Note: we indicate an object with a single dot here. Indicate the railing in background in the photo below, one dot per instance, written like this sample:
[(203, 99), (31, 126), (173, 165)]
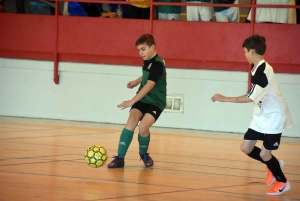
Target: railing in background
[(197, 45)]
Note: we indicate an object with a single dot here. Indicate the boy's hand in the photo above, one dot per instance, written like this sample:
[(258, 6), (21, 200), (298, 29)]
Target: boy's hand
[(126, 104), (218, 97), (132, 84)]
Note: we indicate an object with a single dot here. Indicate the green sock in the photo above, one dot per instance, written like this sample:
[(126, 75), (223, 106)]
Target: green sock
[(125, 140), (144, 143)]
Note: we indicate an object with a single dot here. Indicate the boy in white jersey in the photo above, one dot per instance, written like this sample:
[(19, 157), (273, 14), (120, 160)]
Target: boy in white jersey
[(270, 115)]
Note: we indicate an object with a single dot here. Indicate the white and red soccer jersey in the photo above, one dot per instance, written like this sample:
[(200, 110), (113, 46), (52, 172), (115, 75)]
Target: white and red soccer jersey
[(270, 113)]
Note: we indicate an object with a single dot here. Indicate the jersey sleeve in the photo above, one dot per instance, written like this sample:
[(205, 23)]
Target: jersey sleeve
[(156, 71), (259, 87)]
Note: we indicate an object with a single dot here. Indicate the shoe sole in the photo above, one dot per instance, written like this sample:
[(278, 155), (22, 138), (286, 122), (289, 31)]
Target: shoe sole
[(281, 163), (149, 165), (116, 167), (287, 187)]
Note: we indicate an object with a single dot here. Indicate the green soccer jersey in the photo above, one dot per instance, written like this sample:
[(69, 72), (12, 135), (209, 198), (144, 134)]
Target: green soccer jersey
[(155, 70), (169, 9)]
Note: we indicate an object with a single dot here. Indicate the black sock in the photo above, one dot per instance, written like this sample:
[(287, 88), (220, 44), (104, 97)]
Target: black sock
[(275, 168), (255, 154)]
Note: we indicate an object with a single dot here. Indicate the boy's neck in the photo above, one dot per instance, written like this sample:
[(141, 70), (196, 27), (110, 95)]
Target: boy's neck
[(257, 59), (153, 55)]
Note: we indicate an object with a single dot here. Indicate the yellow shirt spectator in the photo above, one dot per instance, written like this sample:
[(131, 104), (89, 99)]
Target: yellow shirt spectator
[(141, 5)]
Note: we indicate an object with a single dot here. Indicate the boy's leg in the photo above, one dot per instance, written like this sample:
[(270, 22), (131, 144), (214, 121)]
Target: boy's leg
[(127, 133), (133, 12), (173, 16), (272, 142), (234, 13), (205, 13), (126, 138), (272, 164), (151, 115), (248, 145), (221, 16), (144, 138), (192, 13), (144, 13), (249, 148), (162, 16), (144, 132)]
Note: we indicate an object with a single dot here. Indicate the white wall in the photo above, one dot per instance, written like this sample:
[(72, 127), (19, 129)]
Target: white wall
[(90, 92)]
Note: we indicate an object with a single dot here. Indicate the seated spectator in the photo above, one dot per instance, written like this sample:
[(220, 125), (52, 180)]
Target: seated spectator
[(73, 9), (1, 6), (275, 15), (169, 12), (124, 7), (42, 7), (81, 9), (20, 6), (139, 11), (197, 12), (91, 9), (298, 11), (227, 14)]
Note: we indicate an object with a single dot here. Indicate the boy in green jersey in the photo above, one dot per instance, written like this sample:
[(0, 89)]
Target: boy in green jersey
[(146, 105)]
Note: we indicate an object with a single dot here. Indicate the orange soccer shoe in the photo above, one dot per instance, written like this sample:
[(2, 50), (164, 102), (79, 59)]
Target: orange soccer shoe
[(279, 188), (270, 178)]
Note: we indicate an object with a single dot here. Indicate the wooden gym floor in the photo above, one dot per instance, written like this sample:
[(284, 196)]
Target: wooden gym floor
[(43, 160)]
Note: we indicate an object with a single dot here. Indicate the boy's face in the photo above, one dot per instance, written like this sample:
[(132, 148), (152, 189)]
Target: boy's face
[(145, 51), (249, 55)]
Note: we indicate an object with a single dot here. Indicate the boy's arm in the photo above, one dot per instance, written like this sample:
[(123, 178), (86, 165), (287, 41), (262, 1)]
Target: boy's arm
[(139, 80), (155, 73), (144, 91), (239, 99), (148, 86), (134, 83)]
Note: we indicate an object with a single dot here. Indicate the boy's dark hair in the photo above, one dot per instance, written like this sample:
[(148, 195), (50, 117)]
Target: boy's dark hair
[(145, 38), (256, 42)]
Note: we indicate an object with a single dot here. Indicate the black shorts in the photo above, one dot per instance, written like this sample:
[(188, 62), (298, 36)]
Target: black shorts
[(147, 108), (271, 141)]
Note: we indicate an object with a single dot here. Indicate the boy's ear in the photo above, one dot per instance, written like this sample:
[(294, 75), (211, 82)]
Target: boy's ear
[(152, 47)]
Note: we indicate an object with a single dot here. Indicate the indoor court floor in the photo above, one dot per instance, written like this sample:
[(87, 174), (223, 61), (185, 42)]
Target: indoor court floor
[(43, 160)]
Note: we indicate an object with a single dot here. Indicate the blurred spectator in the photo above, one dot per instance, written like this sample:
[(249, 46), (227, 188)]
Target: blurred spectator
[(169, 12), (275, 15), (113, 8), (298, 11), (2, 6), (20, 6), (42, 7), (227, 14), (74, 9), (91, 9), (139, 11), (199, 13)]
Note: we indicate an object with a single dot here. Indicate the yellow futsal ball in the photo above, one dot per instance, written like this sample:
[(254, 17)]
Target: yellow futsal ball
[(95, 156)]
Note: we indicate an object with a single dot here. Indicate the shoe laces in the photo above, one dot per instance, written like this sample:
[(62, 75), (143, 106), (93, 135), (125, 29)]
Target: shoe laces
[(116, 158)]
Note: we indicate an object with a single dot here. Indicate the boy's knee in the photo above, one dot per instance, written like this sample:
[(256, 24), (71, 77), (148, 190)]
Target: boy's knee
[(131, 123), (144, 130), (265, 155), (246, 149)]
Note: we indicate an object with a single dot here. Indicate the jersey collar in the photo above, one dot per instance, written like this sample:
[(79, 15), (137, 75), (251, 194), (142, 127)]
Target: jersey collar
[(253, 71)]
